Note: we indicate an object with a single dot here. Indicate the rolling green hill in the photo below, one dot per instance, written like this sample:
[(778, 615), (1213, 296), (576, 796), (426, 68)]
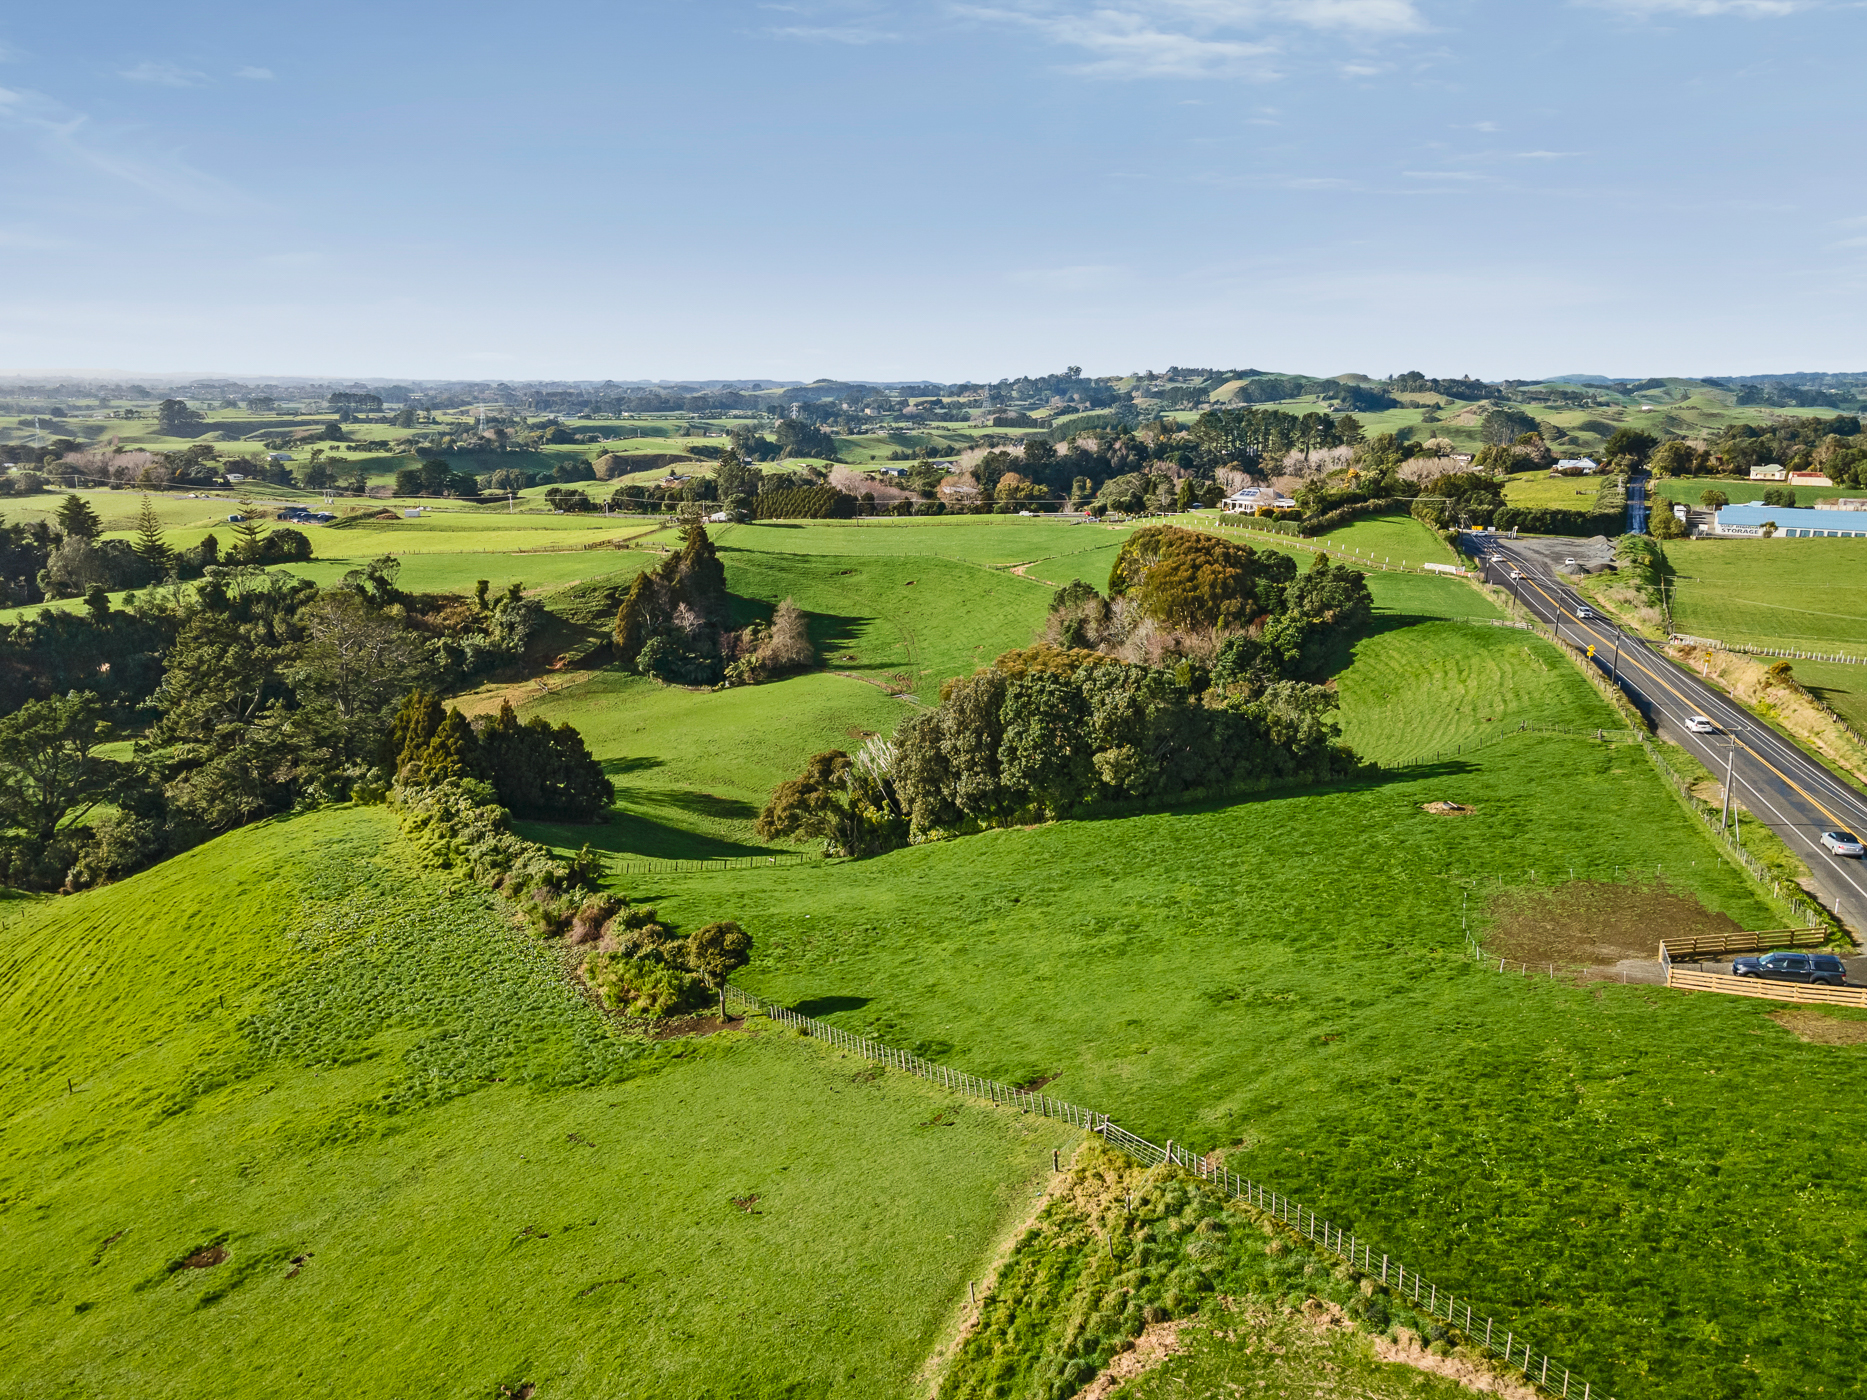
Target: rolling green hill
[(333, 1127)]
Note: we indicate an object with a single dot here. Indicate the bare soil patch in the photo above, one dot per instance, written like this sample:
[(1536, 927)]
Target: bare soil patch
[(1817, 1027), (1473, 1373), (1155, 1344), (204, 1258), (1590, 923)]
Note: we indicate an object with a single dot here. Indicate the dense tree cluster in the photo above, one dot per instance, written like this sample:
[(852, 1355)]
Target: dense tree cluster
[(261, 692), (536, 769), (674, 624), (1048, 733), (1187, 678)]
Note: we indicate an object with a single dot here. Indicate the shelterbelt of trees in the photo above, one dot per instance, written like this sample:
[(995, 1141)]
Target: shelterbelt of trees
[(1192, 676)]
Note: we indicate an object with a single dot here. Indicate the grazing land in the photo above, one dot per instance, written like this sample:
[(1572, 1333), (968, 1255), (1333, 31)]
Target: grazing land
[(323, 1120), (1786, 593), (331, 1119)]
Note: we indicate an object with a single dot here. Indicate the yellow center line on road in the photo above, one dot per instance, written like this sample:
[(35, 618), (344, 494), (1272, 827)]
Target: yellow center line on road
[(1633, 656)]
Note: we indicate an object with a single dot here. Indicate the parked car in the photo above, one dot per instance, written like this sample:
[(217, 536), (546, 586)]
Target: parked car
[(1698, 724), (1817, 969), (1568, 563), (1843, 843), (1821, 969), (1585, 614)]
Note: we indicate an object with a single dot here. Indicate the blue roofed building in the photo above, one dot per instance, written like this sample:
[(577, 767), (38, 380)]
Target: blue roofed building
[(1792, 522)]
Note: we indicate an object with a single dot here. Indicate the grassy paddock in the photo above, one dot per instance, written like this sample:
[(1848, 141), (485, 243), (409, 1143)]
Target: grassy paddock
[(1538, 1146), (1790, 593), (396, 1120)]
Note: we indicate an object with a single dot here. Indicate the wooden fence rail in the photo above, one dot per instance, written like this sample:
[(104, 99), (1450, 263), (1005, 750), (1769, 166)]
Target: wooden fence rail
[(1755, 941), (1538, 1368), (1768, 991)]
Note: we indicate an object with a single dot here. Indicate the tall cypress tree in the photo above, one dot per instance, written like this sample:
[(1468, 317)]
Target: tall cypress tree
[(415, 726)]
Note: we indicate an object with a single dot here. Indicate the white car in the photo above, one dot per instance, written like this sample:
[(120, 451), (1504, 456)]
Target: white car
[(1843, 843), (1698, 724), (1568, 563), (1516, 573), (1585, 614)]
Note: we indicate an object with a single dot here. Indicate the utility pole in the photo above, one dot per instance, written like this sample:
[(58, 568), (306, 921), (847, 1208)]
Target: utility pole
[(1730, 767), (1617, 657)]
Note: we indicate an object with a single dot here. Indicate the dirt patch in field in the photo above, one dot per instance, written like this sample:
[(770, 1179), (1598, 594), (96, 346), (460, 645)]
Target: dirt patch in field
[(1447, 809), (1405, 1349), (1819, 1028), (204, 1258), (1589, 923), (1153, 1346)]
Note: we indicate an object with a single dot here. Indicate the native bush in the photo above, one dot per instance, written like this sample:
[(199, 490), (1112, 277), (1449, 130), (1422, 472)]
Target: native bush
[(1045, 733)]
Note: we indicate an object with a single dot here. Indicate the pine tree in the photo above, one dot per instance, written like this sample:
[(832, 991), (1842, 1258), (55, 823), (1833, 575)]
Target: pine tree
[(150, 546), (249, 534), (77, 519)]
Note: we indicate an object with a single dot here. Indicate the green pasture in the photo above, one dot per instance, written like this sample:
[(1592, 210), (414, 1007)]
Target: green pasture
[(1552, 492), (1781, 592), (433, 1169), (1284, 978), (1839, 685), (1419, 687), (693, 769), (1396, 539), (1690, 488)]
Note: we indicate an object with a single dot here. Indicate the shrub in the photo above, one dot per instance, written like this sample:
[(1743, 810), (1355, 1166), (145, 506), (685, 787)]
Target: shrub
[(643, 987), (668, 661)]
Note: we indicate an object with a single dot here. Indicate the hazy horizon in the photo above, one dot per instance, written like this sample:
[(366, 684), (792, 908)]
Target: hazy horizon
[(870, 190)]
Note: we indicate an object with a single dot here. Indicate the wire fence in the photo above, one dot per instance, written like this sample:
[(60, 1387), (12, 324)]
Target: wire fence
[(1808, 915), (1538, 1368), (1508, 731), (688, 867), (1783, 653)]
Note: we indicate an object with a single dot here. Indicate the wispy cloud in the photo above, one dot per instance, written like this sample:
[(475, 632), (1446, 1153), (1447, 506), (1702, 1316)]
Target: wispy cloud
[(835, 34), (163, 74), (1194, 38), (1543, 155), (1701, 9), (69, 137), (258, 75)]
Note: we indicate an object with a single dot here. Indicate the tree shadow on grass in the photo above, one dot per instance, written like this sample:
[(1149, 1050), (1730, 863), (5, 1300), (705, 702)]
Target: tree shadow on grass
[(1366, 782), (629, 833), (615, 767), (829, 1006), (699, 804)]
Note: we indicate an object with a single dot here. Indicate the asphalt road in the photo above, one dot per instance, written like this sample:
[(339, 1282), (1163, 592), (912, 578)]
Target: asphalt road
[(1780, 785)]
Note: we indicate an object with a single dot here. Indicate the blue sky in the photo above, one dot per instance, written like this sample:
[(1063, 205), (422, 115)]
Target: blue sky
[(884, 190)]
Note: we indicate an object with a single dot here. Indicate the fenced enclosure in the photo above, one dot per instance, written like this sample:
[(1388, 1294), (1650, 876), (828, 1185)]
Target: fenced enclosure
[(1538, 1368)]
